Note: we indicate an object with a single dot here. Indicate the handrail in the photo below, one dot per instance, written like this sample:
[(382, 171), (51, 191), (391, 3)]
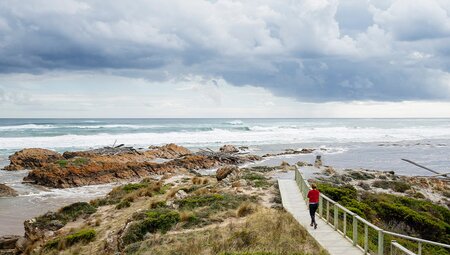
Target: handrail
[(324, 204), (400, 247)]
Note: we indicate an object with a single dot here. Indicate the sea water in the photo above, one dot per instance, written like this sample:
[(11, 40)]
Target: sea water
[(344, 143)]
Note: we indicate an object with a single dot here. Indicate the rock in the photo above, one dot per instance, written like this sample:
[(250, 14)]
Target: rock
[(8, 242), (181, 194), (302, 163), (228, 149), (318, 161), (169, 151), (33, 232), (223, 172), (32, 159), (290, 152), (22, 244), (92, 167), (284, 164), (6, 191), (8, 252)]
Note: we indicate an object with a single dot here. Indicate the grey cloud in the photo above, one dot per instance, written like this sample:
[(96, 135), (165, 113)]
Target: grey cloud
[(312, 50)]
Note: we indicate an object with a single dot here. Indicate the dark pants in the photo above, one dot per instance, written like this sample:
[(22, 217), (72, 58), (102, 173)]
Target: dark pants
[(312, 212)]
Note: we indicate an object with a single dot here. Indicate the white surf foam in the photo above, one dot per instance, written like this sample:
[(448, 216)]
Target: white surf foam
[(270, 135)]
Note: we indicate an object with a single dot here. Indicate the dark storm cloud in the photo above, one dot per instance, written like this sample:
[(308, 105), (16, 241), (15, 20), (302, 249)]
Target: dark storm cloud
[(313, 50)]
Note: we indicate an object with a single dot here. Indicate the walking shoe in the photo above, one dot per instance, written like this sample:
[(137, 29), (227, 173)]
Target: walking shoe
[(311, 224), (315, 225)]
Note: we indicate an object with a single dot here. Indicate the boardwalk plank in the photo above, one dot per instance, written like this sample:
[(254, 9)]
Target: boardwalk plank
[(325, 234)]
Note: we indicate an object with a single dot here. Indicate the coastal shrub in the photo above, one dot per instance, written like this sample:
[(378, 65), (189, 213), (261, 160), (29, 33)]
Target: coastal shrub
[(84, 236), (446, 194), (160, 219), (397, 186), (265, 232), (214, 202), (256, 180), (123, 204), (381, 184), (133, 186), (199, 200), (426, 226), (80, 161), (81, 236), (337, 193), (62, 162), (361, 175), (52, 244), (75, 210), (56, 220)]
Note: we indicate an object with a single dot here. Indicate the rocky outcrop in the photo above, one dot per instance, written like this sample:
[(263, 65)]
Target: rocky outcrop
[(32, 159), (228, 149), (290, 152), (169, 151), (111, 164), (223, 172), (6, 191), (97, 172), (8, 242)]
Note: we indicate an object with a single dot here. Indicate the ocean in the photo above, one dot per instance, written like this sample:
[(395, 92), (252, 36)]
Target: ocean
[(343, 143)]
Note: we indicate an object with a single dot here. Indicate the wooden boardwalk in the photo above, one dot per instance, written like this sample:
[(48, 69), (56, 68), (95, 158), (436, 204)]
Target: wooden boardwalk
[(325, 234)]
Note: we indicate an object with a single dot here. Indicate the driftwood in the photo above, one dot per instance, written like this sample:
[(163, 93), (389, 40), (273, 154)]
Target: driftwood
[(437, 174)]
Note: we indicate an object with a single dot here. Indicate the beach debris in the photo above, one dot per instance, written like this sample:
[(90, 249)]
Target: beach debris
[(437, 174), (6, 191)]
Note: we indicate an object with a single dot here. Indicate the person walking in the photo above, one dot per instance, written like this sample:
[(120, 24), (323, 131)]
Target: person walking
[(313, 196)]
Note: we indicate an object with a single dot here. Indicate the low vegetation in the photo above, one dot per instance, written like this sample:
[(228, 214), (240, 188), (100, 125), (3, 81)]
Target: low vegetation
[(82, 236), (281, 235), (54, 221), (416, 217)]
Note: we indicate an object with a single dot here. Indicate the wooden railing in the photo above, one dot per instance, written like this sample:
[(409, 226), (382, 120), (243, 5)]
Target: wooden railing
[(360, 230)]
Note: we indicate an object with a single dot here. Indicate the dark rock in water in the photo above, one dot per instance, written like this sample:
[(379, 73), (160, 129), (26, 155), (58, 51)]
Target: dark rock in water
[(228, 149), (6, 191), (32, 159), (8, 242), (223, 172)]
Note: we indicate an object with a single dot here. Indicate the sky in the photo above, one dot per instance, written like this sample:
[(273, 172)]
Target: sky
[(225, 58)]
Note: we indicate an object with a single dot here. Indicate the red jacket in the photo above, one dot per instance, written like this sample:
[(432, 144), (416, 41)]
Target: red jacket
[(313, 196)]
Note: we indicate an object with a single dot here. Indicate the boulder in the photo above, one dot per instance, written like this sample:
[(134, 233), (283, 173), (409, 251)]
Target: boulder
[(223, 172), (32, 159), (8, 242), (6, 191), (228, 149), (169, 151)]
